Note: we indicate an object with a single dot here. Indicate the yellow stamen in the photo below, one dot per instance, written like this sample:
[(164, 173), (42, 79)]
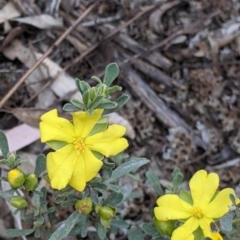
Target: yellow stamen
[(79, 145), (197, 212)]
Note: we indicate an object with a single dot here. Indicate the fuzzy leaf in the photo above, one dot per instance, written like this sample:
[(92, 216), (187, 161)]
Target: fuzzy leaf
[(40, 164), (65, 228), (154, 182), (18, 232), (111, 73), (4, 144), (131, 165)]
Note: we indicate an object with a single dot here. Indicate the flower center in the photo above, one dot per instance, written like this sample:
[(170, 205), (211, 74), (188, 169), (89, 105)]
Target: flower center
[(197, 212), (79, 145)]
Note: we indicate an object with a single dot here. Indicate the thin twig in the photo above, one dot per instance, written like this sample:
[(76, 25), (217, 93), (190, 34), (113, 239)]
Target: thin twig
[(53, 47)]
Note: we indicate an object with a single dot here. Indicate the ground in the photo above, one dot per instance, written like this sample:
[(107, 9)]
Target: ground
[(179, 62)]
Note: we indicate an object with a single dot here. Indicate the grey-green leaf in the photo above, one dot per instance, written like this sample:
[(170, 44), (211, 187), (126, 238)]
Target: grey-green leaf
[(65, 228), (226, 221), (4, 144), (68, 107), (154, 182), (133, 164), (101, 231), (7, 194), (114, 199), (18, 232), (77, 104), (82, 86), (135, 233), (40, 164), (111, 73)]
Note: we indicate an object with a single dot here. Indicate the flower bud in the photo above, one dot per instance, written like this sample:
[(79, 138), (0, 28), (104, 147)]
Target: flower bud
[(84, 206), (106, 213), (15, 178), (163, 227), (31, 182), (18, 202)]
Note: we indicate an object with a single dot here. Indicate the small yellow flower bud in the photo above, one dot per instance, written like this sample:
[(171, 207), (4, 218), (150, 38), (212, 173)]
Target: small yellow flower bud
[(18, 202), (31, 182), (106, 213), (164, 227), (84, 206), (15, 178)]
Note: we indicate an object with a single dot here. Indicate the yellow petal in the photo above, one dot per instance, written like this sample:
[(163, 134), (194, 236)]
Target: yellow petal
[(185, 231), (84, 123), (109, 142), (220, 204), (86, 168), (53, 127), (60, 166), (171, 207), (215, 236), (205, 223), (203, 187)]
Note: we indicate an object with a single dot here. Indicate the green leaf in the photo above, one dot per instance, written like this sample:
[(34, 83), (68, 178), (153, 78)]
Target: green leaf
[(132, 165), (226, 221), (177, 178), (7, 194), (99, 127), (65, 227), (68, 203), (107, 104), (96, 79), (96, 102), (55, 145), (114, 89), (114, 199), (40, 164), (122, 100), (77, 104), (82, 86), (94, 196), (111, 73), (101, 231), (68, 107), (135, 233), (18, 232), (37, 233), (186, 196), (4, 144), (154, 182), (119, 223), (149, 229), (80, 228), (86, 98)]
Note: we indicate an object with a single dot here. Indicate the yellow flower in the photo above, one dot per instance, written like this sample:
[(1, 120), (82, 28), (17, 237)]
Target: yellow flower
[(74, 163), (206, 205)]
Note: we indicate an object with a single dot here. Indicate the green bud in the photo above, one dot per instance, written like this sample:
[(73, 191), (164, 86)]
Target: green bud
[(15, 178), (164, 227), (18, 202), (31, 182), (84, 206), (107, 213)]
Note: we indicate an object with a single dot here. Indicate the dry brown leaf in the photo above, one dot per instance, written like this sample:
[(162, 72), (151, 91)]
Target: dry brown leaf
[(155, 20), (62, 86), (76, 43), (43, 21), (30, 116), (8, 12), (21, 136)]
